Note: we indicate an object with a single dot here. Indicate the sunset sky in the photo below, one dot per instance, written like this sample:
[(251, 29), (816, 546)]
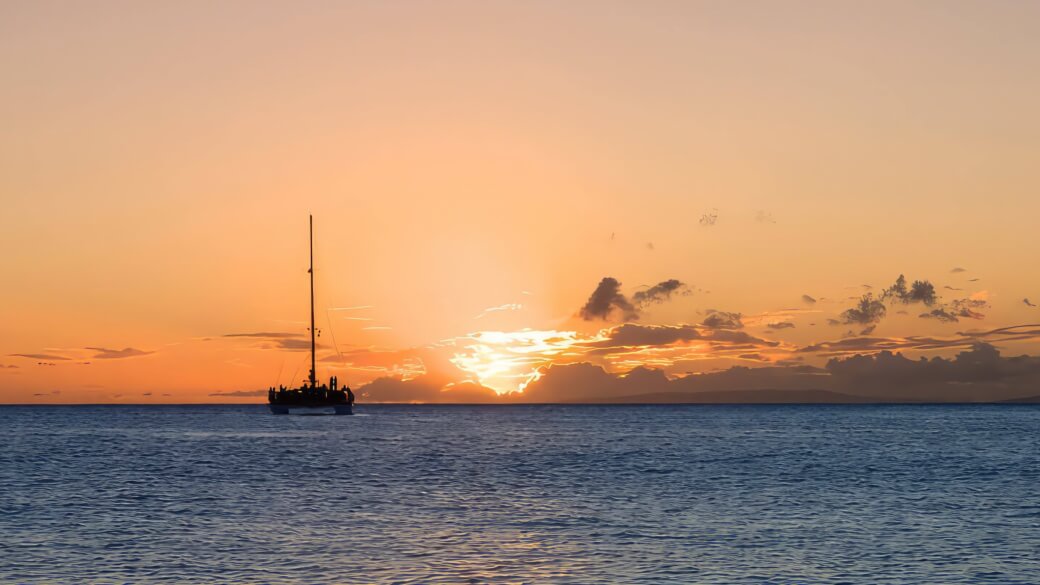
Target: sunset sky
[(477, 169)]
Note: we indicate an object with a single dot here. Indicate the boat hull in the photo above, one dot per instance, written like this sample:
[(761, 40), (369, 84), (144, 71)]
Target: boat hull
[(311, 409)]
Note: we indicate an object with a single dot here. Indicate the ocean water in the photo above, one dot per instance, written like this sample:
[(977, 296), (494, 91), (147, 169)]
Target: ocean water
[(521, 494)]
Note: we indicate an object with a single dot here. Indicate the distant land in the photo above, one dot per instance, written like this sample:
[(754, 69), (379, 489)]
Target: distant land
[(782, 397)]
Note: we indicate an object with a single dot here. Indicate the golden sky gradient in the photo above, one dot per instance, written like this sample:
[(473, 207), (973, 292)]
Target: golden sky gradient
[(476, 168)]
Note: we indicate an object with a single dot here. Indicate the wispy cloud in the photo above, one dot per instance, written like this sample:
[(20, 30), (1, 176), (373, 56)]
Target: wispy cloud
[(239, 393), (104, 353), (659, 293), (265, 335), (293, 344), (40, 356), (500, 308), (276, 340)]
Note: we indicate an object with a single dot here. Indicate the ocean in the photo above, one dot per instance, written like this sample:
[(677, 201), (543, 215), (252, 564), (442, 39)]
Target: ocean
[(521, 494)]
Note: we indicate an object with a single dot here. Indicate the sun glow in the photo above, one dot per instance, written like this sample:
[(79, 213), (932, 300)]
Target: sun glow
[(509, 361)]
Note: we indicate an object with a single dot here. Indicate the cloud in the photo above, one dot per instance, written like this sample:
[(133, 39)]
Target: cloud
[(505, 307), (870, 310), (710, 218), (103, 353), (585, 382), (428, 388), (608, 300), (632, 335), (757, 357), (1026, 332), (852, 345), (978, 374), (941, 315), (605, 300), (781, 325), (659, 293), (635, 359), (738, 339), (589, 382), (266, 335), (279, 339), (867, 312), (293, 344), (1027, 303), (920, 291), (238, 393), (662, 346), (969, 308), (39, 356), (808, 300), (723, 320), (1030, 329), (957, 269)]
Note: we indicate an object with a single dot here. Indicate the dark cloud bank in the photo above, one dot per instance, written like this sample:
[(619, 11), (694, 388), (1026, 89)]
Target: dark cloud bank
[(979, 374)]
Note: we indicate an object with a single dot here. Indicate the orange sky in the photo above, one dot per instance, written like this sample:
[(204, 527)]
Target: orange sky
[(158, 162)]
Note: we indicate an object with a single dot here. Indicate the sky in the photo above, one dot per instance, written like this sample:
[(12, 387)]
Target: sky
[(477, 169)]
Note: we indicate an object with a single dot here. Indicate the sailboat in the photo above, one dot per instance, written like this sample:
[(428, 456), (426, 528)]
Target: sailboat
[(309, 398)]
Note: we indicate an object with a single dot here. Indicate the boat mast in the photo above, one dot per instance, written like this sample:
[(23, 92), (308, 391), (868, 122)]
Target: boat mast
[(314, 377)]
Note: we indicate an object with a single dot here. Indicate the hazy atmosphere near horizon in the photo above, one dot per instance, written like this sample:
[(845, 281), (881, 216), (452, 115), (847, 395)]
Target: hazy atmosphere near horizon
[(519, 201), (705, 292)]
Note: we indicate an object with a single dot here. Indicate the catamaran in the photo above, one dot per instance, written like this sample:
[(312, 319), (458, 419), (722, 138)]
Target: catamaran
[(309, 398)]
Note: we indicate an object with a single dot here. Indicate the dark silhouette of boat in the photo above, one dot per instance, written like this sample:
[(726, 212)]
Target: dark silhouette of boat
[(310, 396)]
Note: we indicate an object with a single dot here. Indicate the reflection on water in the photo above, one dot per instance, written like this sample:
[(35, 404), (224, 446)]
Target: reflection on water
[(579, 494)]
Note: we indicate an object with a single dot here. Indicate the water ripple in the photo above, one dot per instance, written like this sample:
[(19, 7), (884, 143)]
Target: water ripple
[(526, 494)]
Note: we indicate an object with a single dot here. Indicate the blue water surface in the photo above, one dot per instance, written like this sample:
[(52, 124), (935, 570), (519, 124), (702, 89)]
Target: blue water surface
[(521, 494)]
